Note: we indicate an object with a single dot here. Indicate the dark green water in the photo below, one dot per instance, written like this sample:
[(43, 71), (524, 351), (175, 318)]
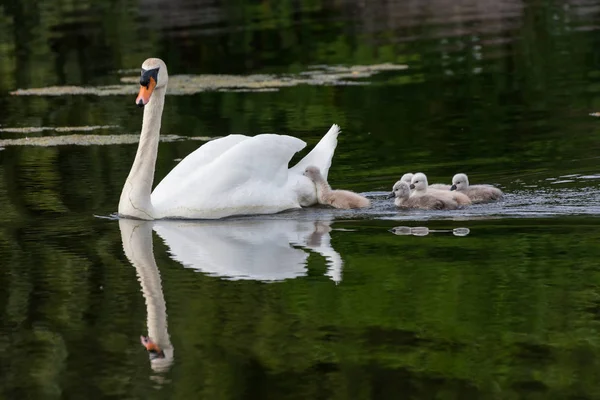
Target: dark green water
[(318, 303)]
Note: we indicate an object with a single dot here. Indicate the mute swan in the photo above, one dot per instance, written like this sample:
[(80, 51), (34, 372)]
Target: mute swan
[(335, 198), (477, 193), (403, 199), (408, 178), (419, 184), (233, 175)]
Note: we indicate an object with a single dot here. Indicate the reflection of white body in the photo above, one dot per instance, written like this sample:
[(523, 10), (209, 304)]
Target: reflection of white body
[(137, 244), (250, 248), (234, 175)]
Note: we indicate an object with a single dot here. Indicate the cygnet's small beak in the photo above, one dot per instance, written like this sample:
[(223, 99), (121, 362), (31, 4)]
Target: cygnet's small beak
[(152, 348), (389, 196), (453, 187), (412, 186)]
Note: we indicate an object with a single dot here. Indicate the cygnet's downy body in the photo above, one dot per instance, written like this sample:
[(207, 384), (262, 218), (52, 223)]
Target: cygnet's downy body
[(477, 193), (335, 198), (420, 186), (403, 199)]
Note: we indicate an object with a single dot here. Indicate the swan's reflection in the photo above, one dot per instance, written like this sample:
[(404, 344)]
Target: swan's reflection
[(234, 249), (137, 244), (250, 248)]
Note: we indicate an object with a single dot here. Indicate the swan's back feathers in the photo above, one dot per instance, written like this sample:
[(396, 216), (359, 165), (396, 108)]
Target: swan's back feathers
[(263, 158), (321, 155), (201, 157)]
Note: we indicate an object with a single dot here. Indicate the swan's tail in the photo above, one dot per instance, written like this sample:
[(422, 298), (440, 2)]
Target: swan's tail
[(322, 154)]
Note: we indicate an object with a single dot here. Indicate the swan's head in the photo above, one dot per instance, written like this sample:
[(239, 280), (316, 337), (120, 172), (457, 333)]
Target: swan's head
[(400, 190), (313, 173), (153, 76), (419, 182), (407, 177), (459, 182), (153, 349)]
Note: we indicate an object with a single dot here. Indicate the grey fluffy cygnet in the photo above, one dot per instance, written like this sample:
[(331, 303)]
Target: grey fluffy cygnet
[(420, 187), (408, 178), (335, 198), (477, 193), (403, 199)]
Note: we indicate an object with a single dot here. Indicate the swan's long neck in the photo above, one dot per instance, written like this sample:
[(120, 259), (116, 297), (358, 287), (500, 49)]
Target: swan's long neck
[(135, 197)]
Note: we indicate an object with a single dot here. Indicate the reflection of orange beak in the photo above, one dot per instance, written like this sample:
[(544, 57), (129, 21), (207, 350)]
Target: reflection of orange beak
[(145, 92), (152, 347)]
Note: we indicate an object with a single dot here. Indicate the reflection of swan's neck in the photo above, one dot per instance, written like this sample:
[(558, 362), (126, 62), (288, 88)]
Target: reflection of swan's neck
[(135, 197), (137, 244)]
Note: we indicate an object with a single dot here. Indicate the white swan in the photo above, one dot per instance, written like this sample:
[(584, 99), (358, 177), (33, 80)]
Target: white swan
[(403, 199), (335, 198), (477, 193), (137, 244), (234, 175), (420, 186)]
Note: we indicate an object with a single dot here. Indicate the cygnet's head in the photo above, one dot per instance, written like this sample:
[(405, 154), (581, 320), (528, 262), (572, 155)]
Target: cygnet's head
[(313, 173), (459, 182), (154, 76), (419, 182), (400, 190), (407, 177)]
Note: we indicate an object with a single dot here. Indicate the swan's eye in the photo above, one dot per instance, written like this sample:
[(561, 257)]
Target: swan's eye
[(147, 75)]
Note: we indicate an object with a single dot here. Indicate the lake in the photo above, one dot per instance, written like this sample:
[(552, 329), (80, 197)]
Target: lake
[(493, 301)]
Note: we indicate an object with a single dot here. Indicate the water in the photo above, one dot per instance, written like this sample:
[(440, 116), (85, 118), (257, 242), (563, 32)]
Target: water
[(492, 301)]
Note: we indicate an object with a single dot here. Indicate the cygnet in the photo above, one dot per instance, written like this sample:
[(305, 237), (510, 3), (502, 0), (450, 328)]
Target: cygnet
[(420, 186), (335, 198), (477, 193), (403, 199)]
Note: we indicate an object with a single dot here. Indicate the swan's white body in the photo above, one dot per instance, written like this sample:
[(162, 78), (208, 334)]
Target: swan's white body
[(234, 175)]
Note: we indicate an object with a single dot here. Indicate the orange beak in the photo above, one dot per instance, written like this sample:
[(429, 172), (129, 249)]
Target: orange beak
[(152, 347), (145, 92)]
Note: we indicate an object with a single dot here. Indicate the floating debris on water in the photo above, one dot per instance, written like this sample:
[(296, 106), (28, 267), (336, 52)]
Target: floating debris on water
[(36, 129), (424, 231), (191, 84), (91, 140)]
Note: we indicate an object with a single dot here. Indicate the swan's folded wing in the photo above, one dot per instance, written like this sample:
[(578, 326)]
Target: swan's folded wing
[(201, 157), (263, 158), (321, 155)]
